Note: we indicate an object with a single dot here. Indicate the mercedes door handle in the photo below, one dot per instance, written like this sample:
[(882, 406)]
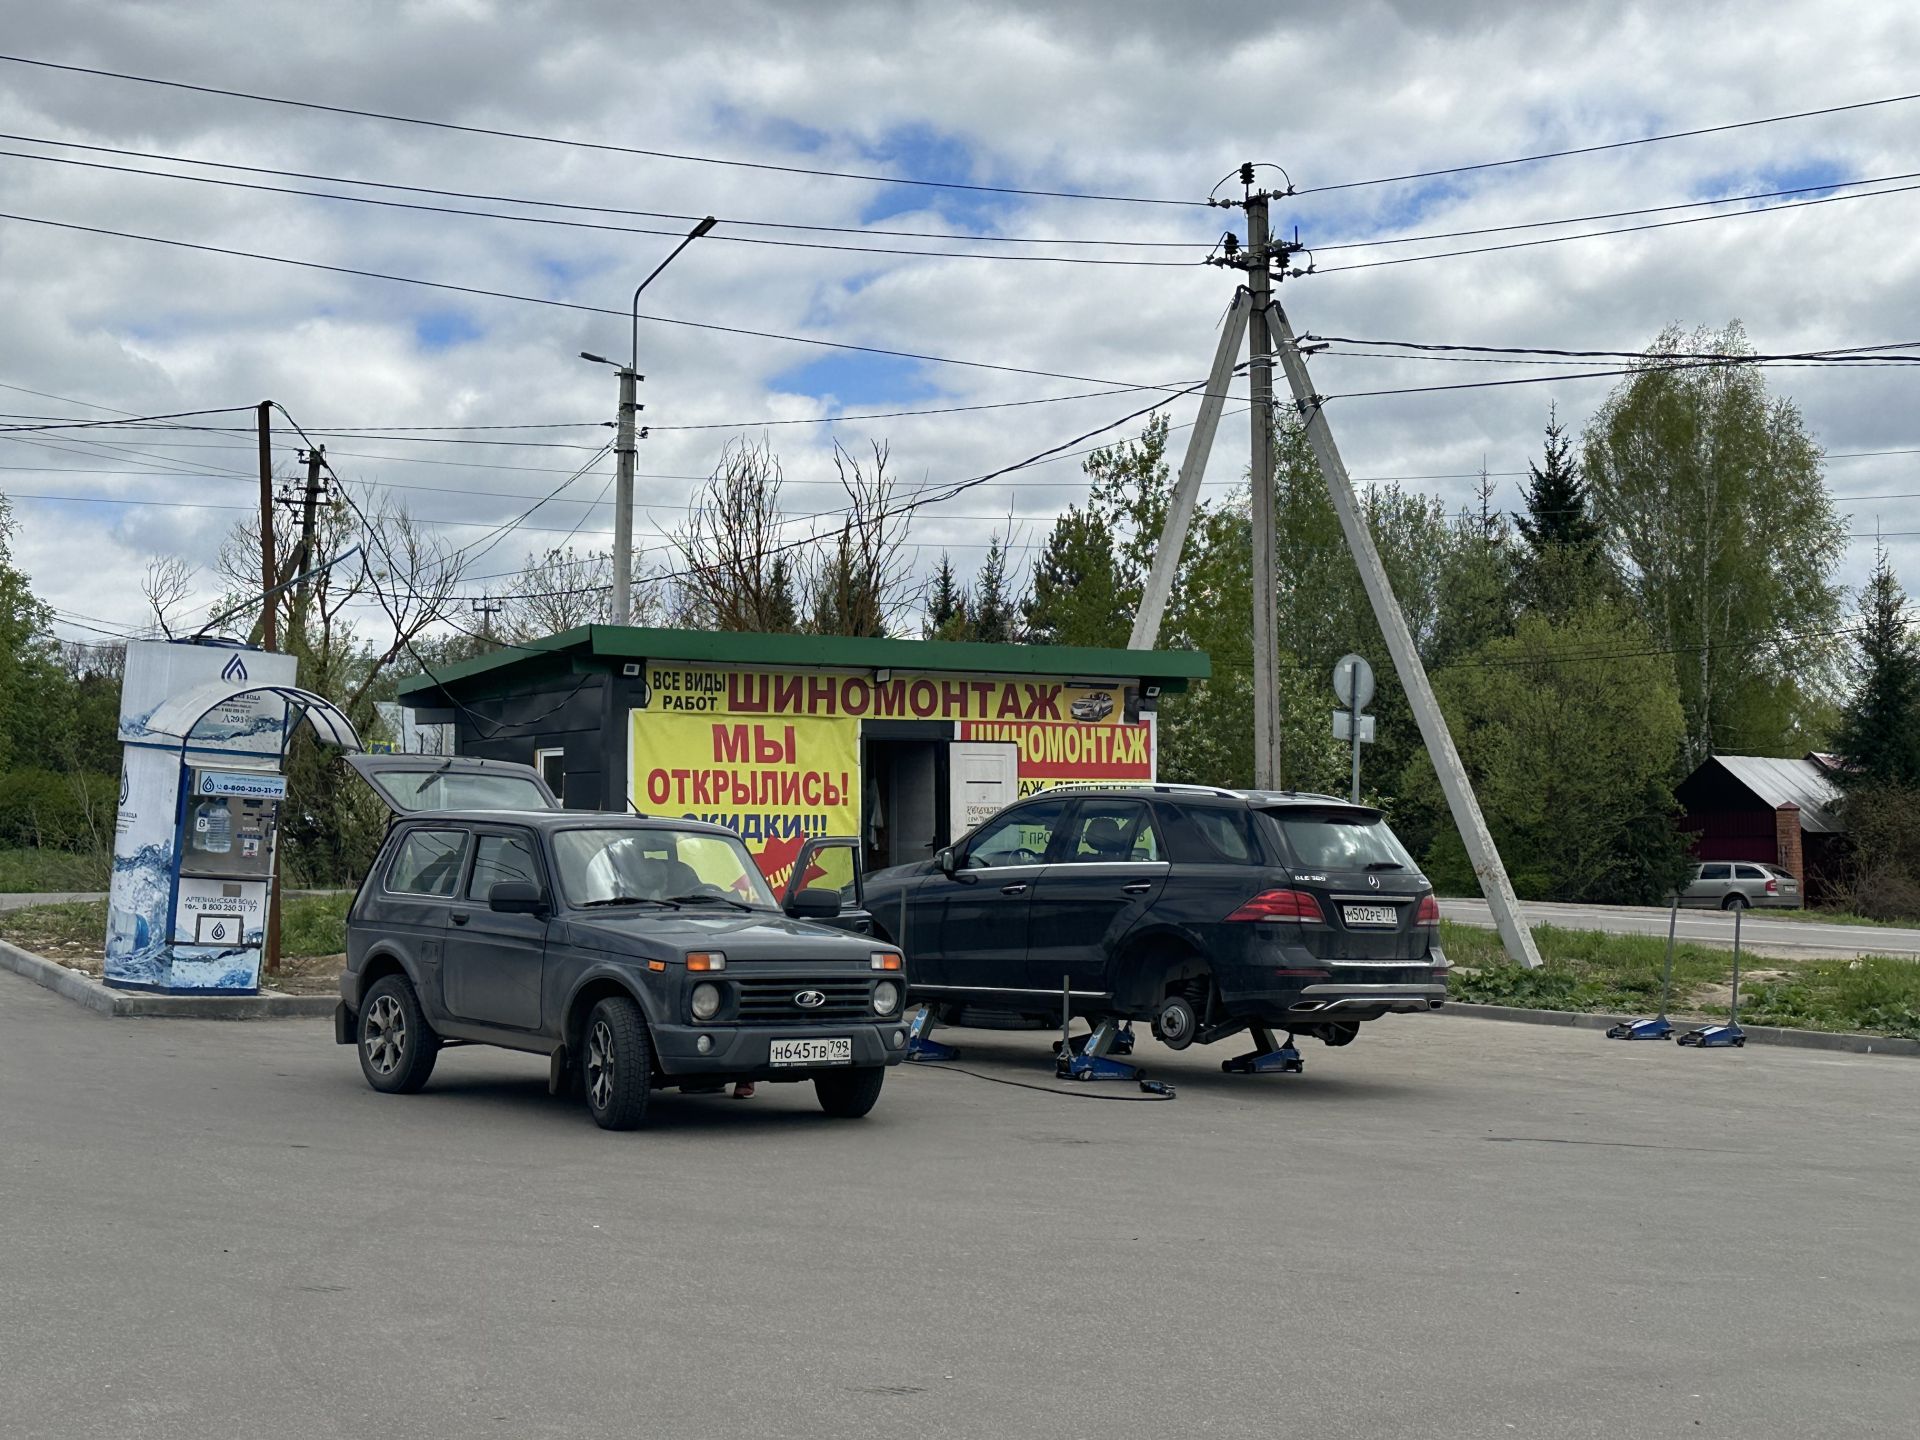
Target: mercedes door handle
[(457, 918), (1137, 887), (1013, 889)]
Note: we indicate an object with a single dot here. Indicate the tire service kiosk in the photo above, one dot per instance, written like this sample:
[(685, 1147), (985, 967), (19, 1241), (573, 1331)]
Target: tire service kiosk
[(204, 730), (907, 744)]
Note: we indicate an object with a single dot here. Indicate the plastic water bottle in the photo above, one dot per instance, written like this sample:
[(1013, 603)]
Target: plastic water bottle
[(213, 828)]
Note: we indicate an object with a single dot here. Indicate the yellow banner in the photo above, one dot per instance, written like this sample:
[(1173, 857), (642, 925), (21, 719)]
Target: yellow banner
[(772, 782)]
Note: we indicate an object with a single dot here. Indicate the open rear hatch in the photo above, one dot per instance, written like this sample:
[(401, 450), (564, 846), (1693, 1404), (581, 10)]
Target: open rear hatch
[(409, 784)]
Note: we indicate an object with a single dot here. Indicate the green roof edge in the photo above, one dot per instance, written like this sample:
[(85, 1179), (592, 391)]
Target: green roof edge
[(841, 652)]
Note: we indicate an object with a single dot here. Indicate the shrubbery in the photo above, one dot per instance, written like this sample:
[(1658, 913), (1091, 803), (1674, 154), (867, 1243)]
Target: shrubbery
[(44, 809)]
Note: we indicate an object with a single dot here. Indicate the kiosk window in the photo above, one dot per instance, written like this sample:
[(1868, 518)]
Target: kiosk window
[(1020, 837), (428, 863), (498, 858)]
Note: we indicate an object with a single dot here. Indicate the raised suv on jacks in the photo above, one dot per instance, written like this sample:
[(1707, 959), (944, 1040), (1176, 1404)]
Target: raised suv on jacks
[(1206, 912), (635, 953)]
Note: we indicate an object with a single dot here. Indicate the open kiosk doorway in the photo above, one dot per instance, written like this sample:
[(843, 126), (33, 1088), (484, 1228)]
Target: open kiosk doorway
[(922, 790)]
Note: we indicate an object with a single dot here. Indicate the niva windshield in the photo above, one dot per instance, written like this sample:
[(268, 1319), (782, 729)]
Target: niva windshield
[(1336, 841), (599, 867)]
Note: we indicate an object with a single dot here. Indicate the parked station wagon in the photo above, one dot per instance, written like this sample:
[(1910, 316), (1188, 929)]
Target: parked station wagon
[(1736, 884), (635, 953)]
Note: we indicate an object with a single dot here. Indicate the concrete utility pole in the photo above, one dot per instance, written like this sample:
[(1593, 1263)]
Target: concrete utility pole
[(1186, 490), (269, 573), (623, 450), (1481, 851), (1266, 677), (303, 554)]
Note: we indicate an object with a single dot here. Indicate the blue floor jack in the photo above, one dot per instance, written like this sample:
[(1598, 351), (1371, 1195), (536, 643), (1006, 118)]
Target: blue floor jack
[(1728, 1036), (921, 1047), (1658, 1028), (1268, 1059), (1089, 1057)]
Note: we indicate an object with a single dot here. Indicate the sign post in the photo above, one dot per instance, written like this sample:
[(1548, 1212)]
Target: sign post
[(1353, 683)]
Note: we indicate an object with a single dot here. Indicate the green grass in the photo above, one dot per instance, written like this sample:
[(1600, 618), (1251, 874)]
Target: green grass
[(31, 871), (1590, 971), (309, 925), (314, 924)]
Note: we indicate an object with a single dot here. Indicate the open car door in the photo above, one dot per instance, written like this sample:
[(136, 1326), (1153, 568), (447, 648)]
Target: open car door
[(832, 863), (409, 784)]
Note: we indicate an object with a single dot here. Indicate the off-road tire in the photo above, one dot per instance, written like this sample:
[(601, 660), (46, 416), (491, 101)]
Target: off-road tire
[(396, 1046), (849, 1094), (616, 1064)]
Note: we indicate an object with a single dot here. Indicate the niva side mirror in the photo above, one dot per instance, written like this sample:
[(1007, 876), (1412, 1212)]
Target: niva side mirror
[(816, 902), (516, 897), (946, 860)]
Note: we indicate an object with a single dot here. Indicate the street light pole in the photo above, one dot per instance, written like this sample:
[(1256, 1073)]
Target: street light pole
[(625, 439)]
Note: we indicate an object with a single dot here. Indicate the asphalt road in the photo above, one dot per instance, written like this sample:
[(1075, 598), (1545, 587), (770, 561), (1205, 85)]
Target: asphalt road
[(1451, 1228), (1762, 933)]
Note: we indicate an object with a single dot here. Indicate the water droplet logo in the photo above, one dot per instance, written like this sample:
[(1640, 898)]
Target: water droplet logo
[(235, 673)]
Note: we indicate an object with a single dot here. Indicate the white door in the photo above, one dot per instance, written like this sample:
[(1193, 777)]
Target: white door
[(985, 778)]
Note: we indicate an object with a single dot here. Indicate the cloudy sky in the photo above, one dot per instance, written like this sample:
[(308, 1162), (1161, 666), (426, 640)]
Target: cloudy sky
[(1146, 100)]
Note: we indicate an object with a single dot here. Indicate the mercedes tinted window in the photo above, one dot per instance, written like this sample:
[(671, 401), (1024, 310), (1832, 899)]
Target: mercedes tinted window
[(1340, 840), (1104, 831), (1209, 835), (1019, 837)]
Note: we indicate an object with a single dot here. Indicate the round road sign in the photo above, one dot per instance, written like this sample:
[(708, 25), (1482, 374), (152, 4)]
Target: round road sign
[(1353, 681)]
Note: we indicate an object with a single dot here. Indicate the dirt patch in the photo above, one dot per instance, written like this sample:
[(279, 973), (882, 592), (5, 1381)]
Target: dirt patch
[(1714, 999)]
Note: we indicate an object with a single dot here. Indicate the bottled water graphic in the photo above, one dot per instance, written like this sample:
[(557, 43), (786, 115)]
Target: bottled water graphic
[(213, 827)]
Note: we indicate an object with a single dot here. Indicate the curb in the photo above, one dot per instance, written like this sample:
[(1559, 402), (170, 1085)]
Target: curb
[(1757, 1034), (85, 990)]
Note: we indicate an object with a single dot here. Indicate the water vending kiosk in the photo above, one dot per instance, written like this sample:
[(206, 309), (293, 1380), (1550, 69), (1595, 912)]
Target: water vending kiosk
[(205, 731)]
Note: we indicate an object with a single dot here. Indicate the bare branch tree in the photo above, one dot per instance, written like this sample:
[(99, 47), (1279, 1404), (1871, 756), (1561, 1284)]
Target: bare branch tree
[(560, 590), (167, 584), (734, 580), (863, 581), (414, 573)]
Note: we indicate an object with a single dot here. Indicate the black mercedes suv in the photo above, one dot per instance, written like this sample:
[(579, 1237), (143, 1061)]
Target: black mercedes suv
[(1206, 912), (635, 953)]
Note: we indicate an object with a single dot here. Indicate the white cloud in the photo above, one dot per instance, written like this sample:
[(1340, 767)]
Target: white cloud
[(1137, 98)]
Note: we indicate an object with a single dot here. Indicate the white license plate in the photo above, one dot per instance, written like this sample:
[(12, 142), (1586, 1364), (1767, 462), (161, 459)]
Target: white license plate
[(1370, 914), (834, 1051)]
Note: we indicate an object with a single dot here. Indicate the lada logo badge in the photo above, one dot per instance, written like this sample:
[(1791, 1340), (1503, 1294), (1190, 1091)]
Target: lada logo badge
[(810, 999)]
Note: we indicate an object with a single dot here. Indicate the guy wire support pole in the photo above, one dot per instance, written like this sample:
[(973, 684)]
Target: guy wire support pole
[(269, 575), (1186, 490), (1481, 851)]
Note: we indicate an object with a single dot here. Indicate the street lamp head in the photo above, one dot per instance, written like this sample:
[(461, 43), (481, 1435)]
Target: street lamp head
[(597, 359), (703, 227)]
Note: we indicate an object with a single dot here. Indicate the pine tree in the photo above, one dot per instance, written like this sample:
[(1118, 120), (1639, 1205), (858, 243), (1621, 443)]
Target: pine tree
[(994, 605), (1879, 734), (1076, 593), (946, 605), (780, 612), (1562, 566)]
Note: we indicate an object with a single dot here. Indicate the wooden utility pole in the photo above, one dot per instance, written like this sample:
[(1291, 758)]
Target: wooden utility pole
[(269, 572)]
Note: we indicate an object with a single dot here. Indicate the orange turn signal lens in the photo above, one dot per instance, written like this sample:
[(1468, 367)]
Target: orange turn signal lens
[(656, 964), (706, 960), (886, 960)]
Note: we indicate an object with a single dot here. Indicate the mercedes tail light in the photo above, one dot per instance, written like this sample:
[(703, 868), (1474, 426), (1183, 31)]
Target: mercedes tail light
[(1429, 911), (1281, 905)]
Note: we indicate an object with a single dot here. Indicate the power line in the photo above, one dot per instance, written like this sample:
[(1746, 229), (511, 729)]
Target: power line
[(561, 304), (595, 145), (1618, 230), (1613, 214), (1597, 149), (597, 225), (868, 231)]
